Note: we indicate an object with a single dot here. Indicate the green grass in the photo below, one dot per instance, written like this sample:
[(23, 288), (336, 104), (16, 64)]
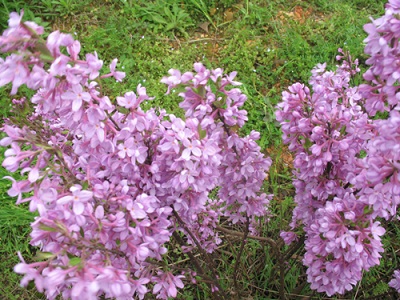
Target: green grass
[(271, 44), (14, 236)]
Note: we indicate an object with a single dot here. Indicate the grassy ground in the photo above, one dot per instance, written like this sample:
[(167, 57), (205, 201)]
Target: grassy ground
[(272, 44)]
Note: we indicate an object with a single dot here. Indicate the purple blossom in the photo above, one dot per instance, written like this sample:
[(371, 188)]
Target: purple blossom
[(57, 39), (94, 65), (78, 199), (288, 237), (77, 96), (128, 101), (191, 147), (166, 284), (176, 78), (31, 273), (395, 282), (18, 188), (116, 74), (106, 184), (14, 70)]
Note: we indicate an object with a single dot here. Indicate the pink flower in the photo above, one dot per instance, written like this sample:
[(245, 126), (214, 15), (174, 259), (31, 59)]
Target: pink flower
[(289, 237), (94, 64), (139, 286), (78, 199), (56, 39), (15, 19), (176, 78), (14, 69), (31, 273), (192, 147), (76, 95), (128, 101), (377, 231), (167, 283), (395, 282), (117, 75)]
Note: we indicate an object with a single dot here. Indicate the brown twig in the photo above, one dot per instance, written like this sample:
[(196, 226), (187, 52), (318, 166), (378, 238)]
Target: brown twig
[(296, 246), (237, 262), (282, 277), (267, 240), (203, 252), (193, 258)]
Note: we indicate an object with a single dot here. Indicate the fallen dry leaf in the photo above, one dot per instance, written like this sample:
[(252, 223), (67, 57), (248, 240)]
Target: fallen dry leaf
[(228, 14), (298, 14), (213, 10), (204, 26)]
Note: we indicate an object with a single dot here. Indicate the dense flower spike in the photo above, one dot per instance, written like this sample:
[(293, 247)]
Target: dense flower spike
[(338, 194), (112, 183), (382, 91), (342, 242), (326, 129), (380, 168)]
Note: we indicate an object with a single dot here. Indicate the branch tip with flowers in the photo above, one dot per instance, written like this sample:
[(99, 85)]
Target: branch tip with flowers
[(112, 183)]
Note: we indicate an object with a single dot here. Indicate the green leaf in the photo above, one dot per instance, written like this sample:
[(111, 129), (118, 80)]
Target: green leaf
[(75, 261), (85, 185), (176, 10), (368, 210), (46, 58), (47, 228), (168, 13), (343, 130), (202, 132), (201, 91), (123, 110), (44, 51), (44, 255), (308, 143), (170, 26), (159, 19), (82, 232), (219, 104)]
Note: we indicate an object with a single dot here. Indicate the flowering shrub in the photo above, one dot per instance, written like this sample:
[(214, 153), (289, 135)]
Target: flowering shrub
[(346, 162), (112, 183)]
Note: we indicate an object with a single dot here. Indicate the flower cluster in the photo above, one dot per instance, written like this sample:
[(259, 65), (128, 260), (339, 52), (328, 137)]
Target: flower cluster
[(378, 180), (381, 93), (111, 182), (346, 161), (342, 242), (327, 129), (212, 112)]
